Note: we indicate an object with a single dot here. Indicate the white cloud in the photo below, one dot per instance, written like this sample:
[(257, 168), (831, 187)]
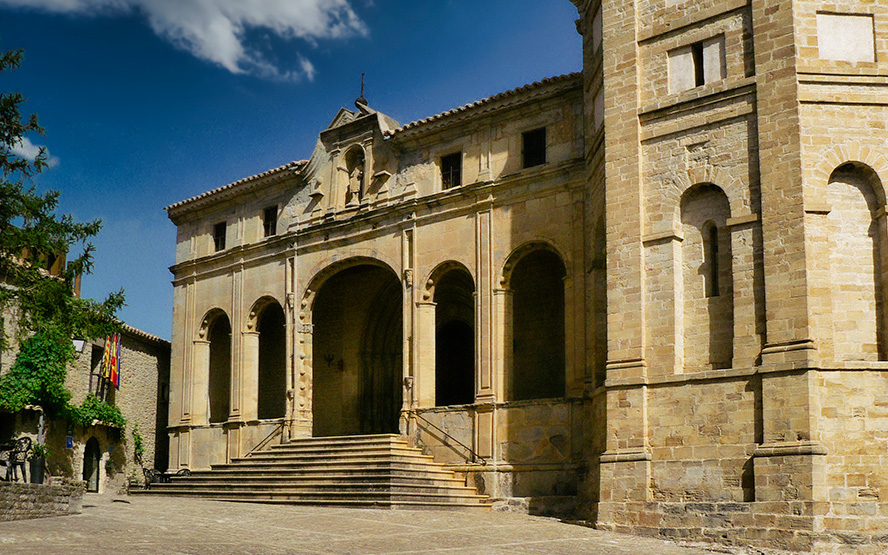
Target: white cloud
[(29, 151), (214, 30)]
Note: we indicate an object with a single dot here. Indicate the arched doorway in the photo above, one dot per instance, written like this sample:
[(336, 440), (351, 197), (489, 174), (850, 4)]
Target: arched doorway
[(92, 459), (357, 352), (272, 394), (454, 338)]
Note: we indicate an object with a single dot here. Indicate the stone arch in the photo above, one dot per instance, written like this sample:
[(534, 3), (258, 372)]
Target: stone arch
[(524, 250), (435, 276), (331, 266), (268, 351), (686, 182), (706, 284), (858, 261), (863, 157), (452, 289), (215, 329), (535, 277)]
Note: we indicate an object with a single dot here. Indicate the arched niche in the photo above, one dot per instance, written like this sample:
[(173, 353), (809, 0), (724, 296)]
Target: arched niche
[(857, 262), (706, 282), (355, 165)]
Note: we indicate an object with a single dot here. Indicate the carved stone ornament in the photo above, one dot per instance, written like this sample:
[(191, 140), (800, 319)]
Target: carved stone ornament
[(408, 277)]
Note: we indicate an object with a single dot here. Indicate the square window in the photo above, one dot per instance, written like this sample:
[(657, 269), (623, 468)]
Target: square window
[(533, 149), (270, 221), (219, 236), (451, 170)]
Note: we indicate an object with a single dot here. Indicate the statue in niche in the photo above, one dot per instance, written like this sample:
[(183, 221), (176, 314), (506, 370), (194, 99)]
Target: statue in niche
[(355, 165)]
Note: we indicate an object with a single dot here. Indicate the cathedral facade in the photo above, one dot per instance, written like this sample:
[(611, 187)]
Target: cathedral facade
[(652, 293)]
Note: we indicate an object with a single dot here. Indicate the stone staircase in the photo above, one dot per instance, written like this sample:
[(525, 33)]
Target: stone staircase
[(381, 471)]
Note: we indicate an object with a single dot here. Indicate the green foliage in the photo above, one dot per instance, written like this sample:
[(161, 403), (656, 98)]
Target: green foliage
[(38, 375), (39, 451), (138, 445), (92, 409)]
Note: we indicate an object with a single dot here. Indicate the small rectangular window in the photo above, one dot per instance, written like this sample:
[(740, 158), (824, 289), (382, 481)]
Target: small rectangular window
[(534, 147), (698, 64), (219, 236), (270, 221), (451, 170)]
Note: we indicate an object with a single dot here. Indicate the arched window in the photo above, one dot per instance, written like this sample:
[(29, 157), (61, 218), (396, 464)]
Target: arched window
[(707, 281), (454, 338), (220, 368), (538, 359)]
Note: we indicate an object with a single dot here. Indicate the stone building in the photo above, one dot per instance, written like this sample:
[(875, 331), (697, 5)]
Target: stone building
[(655, 288), (102, 454)]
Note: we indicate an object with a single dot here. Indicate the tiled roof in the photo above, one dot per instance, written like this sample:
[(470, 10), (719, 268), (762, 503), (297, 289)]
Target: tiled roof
[(532, 87), (144, 335), (289, 166)]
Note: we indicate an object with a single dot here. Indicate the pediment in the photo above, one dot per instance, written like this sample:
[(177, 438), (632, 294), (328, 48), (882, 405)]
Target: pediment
[(342, 117)]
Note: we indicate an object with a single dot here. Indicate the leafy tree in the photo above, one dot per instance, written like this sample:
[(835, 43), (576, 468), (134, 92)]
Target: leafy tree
[(47, 312)]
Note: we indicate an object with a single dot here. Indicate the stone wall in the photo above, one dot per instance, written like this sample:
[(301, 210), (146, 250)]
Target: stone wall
[(25, 501)]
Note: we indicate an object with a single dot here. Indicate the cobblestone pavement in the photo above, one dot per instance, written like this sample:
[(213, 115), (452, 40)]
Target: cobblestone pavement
[(138, 525)]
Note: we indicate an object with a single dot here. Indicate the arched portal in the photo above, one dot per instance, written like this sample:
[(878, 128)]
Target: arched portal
[(92, 458), (272, 394), (357, 352), (538, 332), (220, 368), (454, 338)]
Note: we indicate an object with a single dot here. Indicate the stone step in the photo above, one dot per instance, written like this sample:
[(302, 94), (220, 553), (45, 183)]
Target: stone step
[(319, 486), (380, 471), (358, 496), (364, 455), (351, 467), (363, 504), (351, 479)]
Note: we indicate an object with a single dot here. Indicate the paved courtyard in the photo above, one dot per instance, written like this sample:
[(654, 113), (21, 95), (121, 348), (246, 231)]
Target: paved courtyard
[(137, 525)]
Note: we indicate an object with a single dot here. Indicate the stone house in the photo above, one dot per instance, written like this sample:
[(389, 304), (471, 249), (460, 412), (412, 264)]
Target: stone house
[(655, 288), (101, 454)]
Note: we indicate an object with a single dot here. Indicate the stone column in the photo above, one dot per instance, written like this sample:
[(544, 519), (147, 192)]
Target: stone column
[(250, 375), (200, 380), (502, 354), (424, 380)]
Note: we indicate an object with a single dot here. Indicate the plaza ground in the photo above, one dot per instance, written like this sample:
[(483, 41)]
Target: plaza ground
[(140, 525)]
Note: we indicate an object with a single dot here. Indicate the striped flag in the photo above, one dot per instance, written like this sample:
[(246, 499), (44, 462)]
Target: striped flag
[(106, 357), (114, 374)]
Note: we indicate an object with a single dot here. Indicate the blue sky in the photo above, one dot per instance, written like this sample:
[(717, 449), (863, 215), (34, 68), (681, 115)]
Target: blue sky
[(148, 102)]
